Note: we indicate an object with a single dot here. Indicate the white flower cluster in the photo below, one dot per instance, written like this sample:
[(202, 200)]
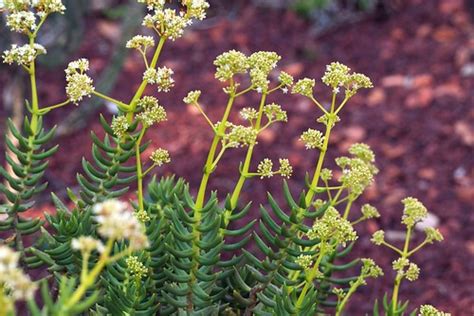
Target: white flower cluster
[(12, 278), (151, 111), (265, 168), (192, 97), (79, 84), (160, 157), (20, 17), (117, 222), (23, 55), (141, 43), (87, 244)]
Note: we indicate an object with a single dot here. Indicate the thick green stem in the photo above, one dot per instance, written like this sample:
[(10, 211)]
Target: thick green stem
[(144, 84), (246, 166), (398, 279), (140, 175), (340, 307), (211, 157), (309, 281)]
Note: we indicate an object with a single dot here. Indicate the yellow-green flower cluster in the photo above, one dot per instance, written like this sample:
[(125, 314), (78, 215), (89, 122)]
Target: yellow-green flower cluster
[(304, 87), (326, 174), (120, 126), (265, 168), (433, 234), (79, 84), (150, 75), (230, 64), (167, 23), (274, 113), (429, 310), (192, 97), (370, 269), (331, 226), (368, 211), (87, 244), (238, 136), (286, 80), (286, 170), (160, 157), (141, 43), (249, 114), (196, 8), (136, 268), (362, 151), (414, 211), (117, 222), (17, 284), (357, 173), (23, 55), (406, 269), (378, 237), (151, 111), (304, 261), (312, 139), (164, 79), (337, 75), (42, 7), (261, 64)]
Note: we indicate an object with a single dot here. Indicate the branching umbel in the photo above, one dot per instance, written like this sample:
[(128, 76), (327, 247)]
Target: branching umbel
[(167, 252)]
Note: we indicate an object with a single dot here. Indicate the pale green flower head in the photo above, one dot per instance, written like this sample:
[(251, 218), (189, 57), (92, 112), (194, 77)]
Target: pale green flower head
[(23, 55), (369, 211), (248, 114), (141, 42), (16, 5), (331, 226), (120, 126), (261, 64), (286, 170), (362, 151), (378, 237), (265, 168), (151, 112), (370, 269), (230, 64), (433, 234), (304, 87), (150, 76), (192, 97), (79, 84), (413, 272), (312, 139), (196, 8), (400, 264), (304, 261), (239, 136), (357, 174), (429, 310), (136, 268), (274, 113), (164, 79), (326, 174), (167, 23), (413, 212), (336, 75), (355, 82), (160, 157), (22, 22), (286, 80)]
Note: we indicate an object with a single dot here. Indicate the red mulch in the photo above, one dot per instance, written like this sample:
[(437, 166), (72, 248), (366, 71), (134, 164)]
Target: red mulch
[(419, 120)]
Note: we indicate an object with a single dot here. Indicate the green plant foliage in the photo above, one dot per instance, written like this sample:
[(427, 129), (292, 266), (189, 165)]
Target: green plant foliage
[(168, 251)]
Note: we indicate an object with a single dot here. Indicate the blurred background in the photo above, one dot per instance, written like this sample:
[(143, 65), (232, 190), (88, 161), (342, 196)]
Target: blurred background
[(419, 118)]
